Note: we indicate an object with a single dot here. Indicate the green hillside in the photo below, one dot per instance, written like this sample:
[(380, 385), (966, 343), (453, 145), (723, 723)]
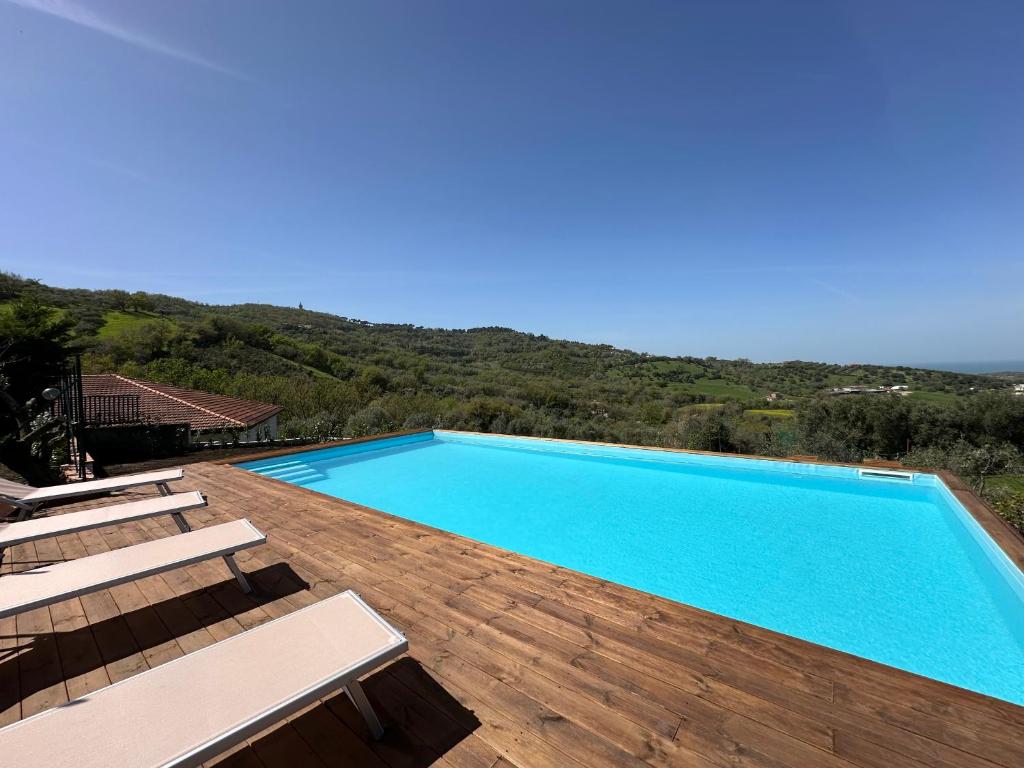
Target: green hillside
[(336, 375)]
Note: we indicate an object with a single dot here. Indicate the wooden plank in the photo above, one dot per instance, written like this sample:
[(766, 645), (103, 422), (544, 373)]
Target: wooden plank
[(284, 746), (10, 647), (561, 671), (332, 740), (240, 757), (39, 668)]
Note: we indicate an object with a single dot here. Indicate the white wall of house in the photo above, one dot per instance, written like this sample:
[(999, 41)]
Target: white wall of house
[(265, 430)]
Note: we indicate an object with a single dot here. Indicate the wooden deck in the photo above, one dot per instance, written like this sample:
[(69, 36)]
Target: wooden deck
[(513, 662)]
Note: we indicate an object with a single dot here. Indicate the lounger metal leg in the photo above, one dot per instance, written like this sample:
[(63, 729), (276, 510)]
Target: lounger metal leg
[(182, 523), (244, 582), (355, 692), (164, 490), (25, 512)]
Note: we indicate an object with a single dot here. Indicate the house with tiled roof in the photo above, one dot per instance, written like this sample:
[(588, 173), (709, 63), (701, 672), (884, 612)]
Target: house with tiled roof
[(111, 399)]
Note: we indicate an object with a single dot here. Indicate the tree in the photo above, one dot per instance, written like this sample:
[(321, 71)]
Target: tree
[(652, 413), (118, 299), (995, 416), (369, 421), (852, 427), (703, 430), (140, 302), (12, 285), (976, 463), (138, 343), (373, 381), (33, 346), (33, 341)]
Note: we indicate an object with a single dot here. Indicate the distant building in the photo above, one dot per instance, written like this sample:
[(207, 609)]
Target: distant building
[(858, 389), (112, 399), (773, 397), (1018, 389)]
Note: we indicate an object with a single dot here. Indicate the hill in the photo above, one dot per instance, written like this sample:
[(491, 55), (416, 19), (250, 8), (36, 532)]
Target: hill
[(337, 375)]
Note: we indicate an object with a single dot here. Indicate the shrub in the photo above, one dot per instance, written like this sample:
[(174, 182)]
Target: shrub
[(971, 462), (419, 421), (369, 421)]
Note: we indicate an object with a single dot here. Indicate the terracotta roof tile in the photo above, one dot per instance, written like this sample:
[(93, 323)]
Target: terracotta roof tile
[(164, 404)]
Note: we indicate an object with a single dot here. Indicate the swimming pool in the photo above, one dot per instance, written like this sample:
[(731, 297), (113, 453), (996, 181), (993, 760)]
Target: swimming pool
[(891, 569)]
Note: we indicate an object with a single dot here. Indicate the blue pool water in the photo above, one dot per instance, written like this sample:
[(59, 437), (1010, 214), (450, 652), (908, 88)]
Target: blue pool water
[(891, 570)]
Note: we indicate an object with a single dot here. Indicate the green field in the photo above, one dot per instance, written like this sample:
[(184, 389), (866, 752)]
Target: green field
[(939, 398), (776, 413), (720, 388), (116, 322)]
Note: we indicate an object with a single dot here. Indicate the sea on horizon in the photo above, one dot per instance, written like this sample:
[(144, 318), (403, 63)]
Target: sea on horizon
[(990, 366)]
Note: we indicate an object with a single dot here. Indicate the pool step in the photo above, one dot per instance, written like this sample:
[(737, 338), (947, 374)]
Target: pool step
[(298, 473), (289, 464)]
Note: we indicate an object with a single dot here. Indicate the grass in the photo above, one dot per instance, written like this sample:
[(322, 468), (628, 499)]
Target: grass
[(666, 366), (1012, 483), (939, 398), (116, 322), (316, 372), (771, 413), (720, 388)]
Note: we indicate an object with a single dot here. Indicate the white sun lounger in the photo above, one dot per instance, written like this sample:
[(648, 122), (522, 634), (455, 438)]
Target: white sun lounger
[(195, 707), (28, 499), (25, 590), (73, 522)]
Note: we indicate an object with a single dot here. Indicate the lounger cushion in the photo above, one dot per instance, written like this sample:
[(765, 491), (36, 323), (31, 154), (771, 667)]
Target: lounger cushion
[(103, 485), (190, 709), (56, 525), (25, 590), (13, 490)]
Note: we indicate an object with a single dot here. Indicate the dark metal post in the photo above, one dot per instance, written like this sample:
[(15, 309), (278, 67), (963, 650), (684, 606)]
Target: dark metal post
[(80, 421)]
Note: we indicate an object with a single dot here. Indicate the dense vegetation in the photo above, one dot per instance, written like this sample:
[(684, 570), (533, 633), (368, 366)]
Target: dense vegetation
[(33, 340), (338, 376)]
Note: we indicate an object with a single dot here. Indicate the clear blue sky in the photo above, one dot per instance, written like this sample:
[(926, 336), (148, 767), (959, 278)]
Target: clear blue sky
[(776, 180)]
